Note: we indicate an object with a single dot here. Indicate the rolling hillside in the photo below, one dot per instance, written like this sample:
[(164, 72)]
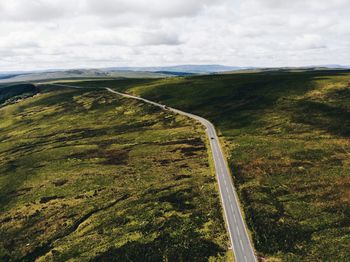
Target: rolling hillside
[(79, 74), (287, 140), (12, 93), (87, 175)]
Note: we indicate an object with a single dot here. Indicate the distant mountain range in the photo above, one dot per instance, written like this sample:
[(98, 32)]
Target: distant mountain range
[(191, 69), (75, 74), (138, 72), (117, 72)]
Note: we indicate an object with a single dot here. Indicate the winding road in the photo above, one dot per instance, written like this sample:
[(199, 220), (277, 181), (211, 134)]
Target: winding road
[(241, 245)]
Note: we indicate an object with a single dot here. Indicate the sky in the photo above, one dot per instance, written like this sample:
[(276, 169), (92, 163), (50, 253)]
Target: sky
[(49, 34)]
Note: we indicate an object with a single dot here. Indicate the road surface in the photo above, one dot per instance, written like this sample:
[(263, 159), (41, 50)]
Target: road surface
[(241, 245)]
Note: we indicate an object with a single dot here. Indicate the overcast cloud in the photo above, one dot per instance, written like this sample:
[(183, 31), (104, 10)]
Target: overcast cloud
[(42, 34)]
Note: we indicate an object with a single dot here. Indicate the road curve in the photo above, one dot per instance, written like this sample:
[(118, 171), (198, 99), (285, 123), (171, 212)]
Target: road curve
[(241, 245)]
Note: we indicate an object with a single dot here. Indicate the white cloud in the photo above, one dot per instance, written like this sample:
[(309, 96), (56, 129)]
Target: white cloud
[(33, 10), (309, 41), (309, 5), (158, 8), (97, 33)]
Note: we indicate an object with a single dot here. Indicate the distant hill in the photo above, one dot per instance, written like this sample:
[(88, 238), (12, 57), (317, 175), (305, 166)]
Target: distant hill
[(143, 72), (115, 72), (190, 69), (336, 66), (6, 76), (174, 73), (77, 73)]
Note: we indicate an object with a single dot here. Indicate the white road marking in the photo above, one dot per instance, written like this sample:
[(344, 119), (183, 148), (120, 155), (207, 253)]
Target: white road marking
[(238, 231)]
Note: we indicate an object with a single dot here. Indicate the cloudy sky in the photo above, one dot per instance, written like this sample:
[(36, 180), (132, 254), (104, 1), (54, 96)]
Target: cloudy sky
[(42, 34)]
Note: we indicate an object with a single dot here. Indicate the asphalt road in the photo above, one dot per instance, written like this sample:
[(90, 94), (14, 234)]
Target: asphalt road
[(241, 245), (242, 248)]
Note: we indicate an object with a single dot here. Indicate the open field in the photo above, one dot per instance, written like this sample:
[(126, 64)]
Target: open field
[(287, 139), (86, 175)]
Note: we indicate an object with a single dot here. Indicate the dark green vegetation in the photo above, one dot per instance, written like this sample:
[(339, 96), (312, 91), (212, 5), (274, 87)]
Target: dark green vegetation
[(12, 93), (287, 138), (86, 175)]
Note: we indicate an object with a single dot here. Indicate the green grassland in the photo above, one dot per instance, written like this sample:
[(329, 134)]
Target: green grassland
[(89, 176), (13, 93), (286, 135)]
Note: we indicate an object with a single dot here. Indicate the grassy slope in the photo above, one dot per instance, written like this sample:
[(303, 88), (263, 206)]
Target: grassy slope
[(85, 175), (287, 138), (11, 93)]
